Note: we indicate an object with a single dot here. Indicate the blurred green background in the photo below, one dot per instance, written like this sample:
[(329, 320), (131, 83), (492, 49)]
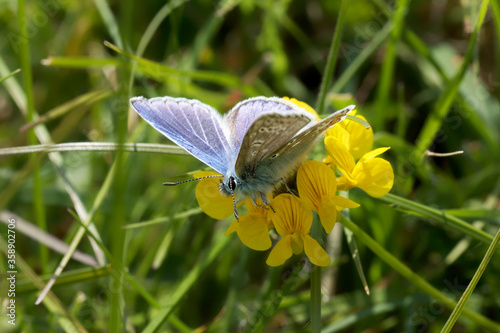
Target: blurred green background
[(425, 74)]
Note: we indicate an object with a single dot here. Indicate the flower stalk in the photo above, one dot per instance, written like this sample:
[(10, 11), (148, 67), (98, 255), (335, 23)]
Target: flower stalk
[(315, 278)]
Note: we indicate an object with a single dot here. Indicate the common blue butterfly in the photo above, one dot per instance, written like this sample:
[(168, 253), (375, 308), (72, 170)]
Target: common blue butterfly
[(254, 146)]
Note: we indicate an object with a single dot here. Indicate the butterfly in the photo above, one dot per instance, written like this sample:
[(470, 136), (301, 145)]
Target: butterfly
[(254, 146)]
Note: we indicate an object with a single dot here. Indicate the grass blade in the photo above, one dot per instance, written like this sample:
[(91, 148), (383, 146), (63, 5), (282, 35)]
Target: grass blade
[(484, 127), (386, 77), (41, 236), (80, 62), (118, 265), (413, 277), (155, 23), (52, 303), (165, 219), (85, 99), (353, 247), (161, 72), (438, 216), (363, 56), (38, 205), (69, 277), (9, 75), (459, 308), (332, 59), (95, 146), (44, 137), (443, 104), (109, 21), (220, 244)]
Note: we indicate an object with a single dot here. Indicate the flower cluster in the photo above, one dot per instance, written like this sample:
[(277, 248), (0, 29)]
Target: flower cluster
[(348, 145)]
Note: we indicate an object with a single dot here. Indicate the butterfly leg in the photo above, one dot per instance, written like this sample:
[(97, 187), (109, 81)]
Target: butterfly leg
[(258, 205), (289, 190), (265, 202)]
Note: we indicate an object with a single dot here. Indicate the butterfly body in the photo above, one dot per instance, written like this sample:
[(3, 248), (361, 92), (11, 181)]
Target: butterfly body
[(254, 146)]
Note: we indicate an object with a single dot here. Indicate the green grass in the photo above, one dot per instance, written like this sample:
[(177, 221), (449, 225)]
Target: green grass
[(78, 164)]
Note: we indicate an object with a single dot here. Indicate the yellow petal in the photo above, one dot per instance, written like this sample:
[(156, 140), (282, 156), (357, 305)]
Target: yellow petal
[(341, 156), (329, 210), (291, 215), (345, 184), (374, 176), (374, 153), (315, 252), (328, 214), (343, 203), (315, 180), (253, 232), (232, 228), (330, 162), (280, 252), (303, 105), (297, 243), (209, 198), (360, 137), (341, 134)]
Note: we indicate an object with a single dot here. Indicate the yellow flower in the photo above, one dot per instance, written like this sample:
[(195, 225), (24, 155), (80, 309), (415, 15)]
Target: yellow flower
[(253, 228), (317, 186), (293, 222), (373, 175), (209, 198), (303, 105), (342, 137), (355, 137)]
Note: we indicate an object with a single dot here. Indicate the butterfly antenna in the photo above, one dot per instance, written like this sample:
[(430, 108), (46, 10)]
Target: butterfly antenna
[(191, 180), (236, 215)]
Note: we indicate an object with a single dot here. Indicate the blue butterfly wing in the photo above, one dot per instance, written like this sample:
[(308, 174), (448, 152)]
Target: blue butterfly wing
[(244, 114), (192, 125)]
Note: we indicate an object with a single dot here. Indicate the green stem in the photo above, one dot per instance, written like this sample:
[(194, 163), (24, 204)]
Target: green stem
[(414, 278), (353, 247), (10, 75), (320, 107), (38, 204), (387, 74), (332, 59), (371, 47), (315, 298), (470, 288), (316, 233)]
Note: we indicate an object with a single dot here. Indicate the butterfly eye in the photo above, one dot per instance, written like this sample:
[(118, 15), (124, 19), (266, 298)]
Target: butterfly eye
[(232, 183)]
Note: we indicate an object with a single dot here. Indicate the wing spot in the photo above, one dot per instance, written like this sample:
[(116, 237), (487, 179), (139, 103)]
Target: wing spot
[(275, 155), (257, 143)]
